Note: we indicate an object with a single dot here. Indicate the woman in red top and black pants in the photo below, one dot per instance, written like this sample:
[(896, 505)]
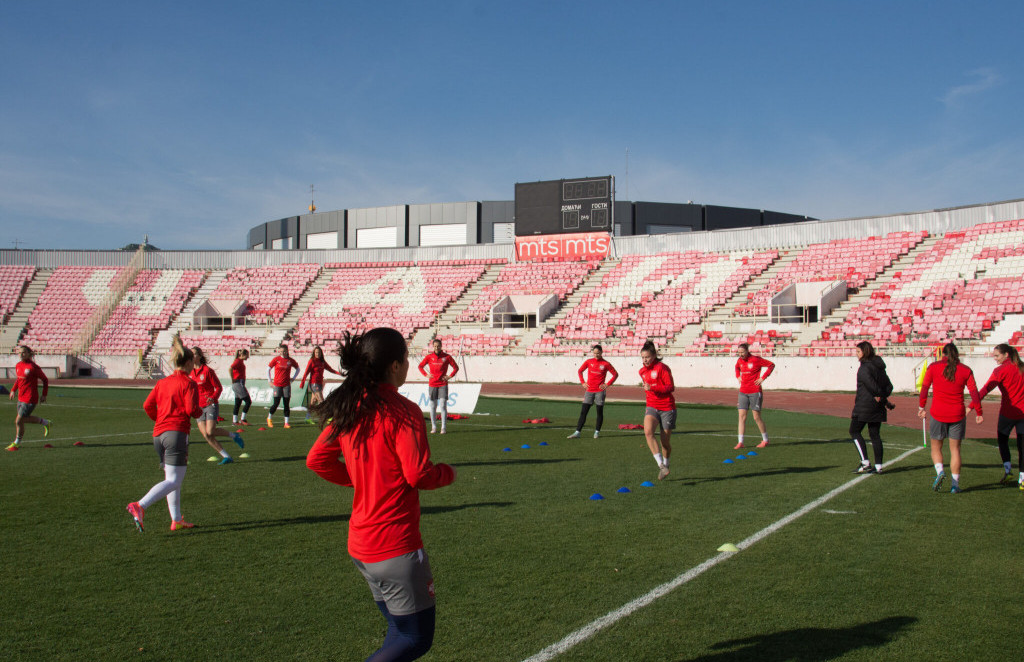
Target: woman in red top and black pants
[(315, 372), (661, 406), (1009, 378), (382, 439), (948, 378), (172, 404), (242, 399)]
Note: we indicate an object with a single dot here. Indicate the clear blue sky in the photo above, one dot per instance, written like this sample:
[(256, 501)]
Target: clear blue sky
[(194, 121)]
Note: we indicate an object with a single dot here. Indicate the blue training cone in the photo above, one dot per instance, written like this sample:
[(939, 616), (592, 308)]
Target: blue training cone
[(543, 443), (623, 490), (741, 457), (525, 446), (505, 450), (596, 497), (647, 483), (727, 461), (751, 454)]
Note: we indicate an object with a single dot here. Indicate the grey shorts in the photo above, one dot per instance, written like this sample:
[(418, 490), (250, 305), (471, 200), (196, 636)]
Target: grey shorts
[(594, 398), (751, 401), (438, 393), (1008, 425), (939, 430), (316, 388), (25, 408), (404, 583), (211, 412), (666, 419), (172, 447), (241, 393), (283, 392)]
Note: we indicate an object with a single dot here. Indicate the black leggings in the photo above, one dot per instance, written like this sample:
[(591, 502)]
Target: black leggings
[(1004, 448), (874, 431), (584, 410), (277, 401), (238, 405), (408, 637)]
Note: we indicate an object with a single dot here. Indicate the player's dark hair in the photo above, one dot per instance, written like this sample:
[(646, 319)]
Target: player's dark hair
[(239, 353), (29, 349), (867, 350), (200, 357), (743, 345), (318, 348), (284, 347), (649, 346), (597, 347), (365, 360), (1011, 351), (180, 355), (952, 355)]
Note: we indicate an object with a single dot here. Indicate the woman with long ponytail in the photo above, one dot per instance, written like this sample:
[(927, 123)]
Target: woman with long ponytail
[(209, 400), (1009, 378), (382, 439), (948, 377), (172, 404)]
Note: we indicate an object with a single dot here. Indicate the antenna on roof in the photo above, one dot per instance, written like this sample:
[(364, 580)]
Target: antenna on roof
[(312, 205)]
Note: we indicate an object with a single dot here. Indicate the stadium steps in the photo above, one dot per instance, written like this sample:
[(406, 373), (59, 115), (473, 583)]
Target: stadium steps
[(183, 322), (812, 332), (1004, 329), (447, 322), (727, 312), (682, 340), (15, 327), (590, 283), (290, 321)]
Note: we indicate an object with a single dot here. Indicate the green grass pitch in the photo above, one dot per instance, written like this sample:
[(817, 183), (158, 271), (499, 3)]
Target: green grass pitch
[(522, 557)]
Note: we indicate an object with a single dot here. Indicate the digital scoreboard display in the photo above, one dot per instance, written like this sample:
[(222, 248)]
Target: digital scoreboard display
[(565, 205)]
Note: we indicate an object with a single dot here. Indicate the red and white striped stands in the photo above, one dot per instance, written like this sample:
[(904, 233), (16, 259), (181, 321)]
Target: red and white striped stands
[(13, 280), (407, 297), (270, 291), (528, 278), (70, 297), (854, 260), (957, 290), (148, 306), (218, 343), (761, 342), (474, 344)]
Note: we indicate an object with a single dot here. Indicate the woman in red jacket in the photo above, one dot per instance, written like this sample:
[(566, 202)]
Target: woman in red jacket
[(315, 368), (172, 404), (661, 406), (242, 399), (1009, 378), (209, 400), (382, 439), (28, 375), (948, 378)]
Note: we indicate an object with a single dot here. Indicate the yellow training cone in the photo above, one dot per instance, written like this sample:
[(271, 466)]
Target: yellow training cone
[(728, 547)]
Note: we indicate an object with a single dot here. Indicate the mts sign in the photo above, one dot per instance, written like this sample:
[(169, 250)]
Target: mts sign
[(564, 247)]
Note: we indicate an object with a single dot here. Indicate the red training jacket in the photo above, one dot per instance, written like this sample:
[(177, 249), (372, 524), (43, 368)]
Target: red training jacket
[(948, 401), (387, 461), (749, 371), (315, 371), (596, 371), (1011, 386), (438, 367), (28, 375), (238, 371), (659, 378), (173, 403), (208, 384), (282, 368)]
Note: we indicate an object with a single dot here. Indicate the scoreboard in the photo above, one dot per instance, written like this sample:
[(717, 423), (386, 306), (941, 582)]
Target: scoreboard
[(565, 206)]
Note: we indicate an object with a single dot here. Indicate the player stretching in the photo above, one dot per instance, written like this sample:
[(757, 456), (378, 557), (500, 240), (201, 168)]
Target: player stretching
[(281, 372), (596, 368), (26, 387), (661, 406), (438, 362), (315, 372), (209, 400), (748, 371), (1009, 377)]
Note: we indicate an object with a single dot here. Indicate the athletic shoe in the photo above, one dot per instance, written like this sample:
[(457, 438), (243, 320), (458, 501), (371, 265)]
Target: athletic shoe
[(311, 420), (46, 428), (574, 435), (955, 489), (181, 524), (1020, 486), (937, 485), (13, 447), (287, 426), (243, 422), (763, 444), (662, 472), (237, 438), (270, 422), (444, 430), (433, 430), (1008, 479), (738, 446), (225, 460), (597, 433), (863, 469), (137, 513)]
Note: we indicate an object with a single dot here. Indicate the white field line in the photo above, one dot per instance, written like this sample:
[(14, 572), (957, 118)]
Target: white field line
[(589, 630)]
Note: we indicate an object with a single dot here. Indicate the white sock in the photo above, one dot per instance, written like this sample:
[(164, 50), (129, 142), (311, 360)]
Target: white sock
[(1006, 467), (938, 468), (658, 459), (764, 436), (956, 478), (234, 419), (878, 467), (224, 453), (1020, 479), (665, 462), (286, 420), (739, 438), (243, 415)]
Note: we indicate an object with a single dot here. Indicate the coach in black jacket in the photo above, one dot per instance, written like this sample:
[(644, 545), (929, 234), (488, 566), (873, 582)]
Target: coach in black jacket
[(870, 406)]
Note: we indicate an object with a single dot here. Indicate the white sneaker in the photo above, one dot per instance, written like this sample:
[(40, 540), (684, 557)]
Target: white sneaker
[(662, 472), (597, 433), (444, 430), (574, 435), (433, 430)]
